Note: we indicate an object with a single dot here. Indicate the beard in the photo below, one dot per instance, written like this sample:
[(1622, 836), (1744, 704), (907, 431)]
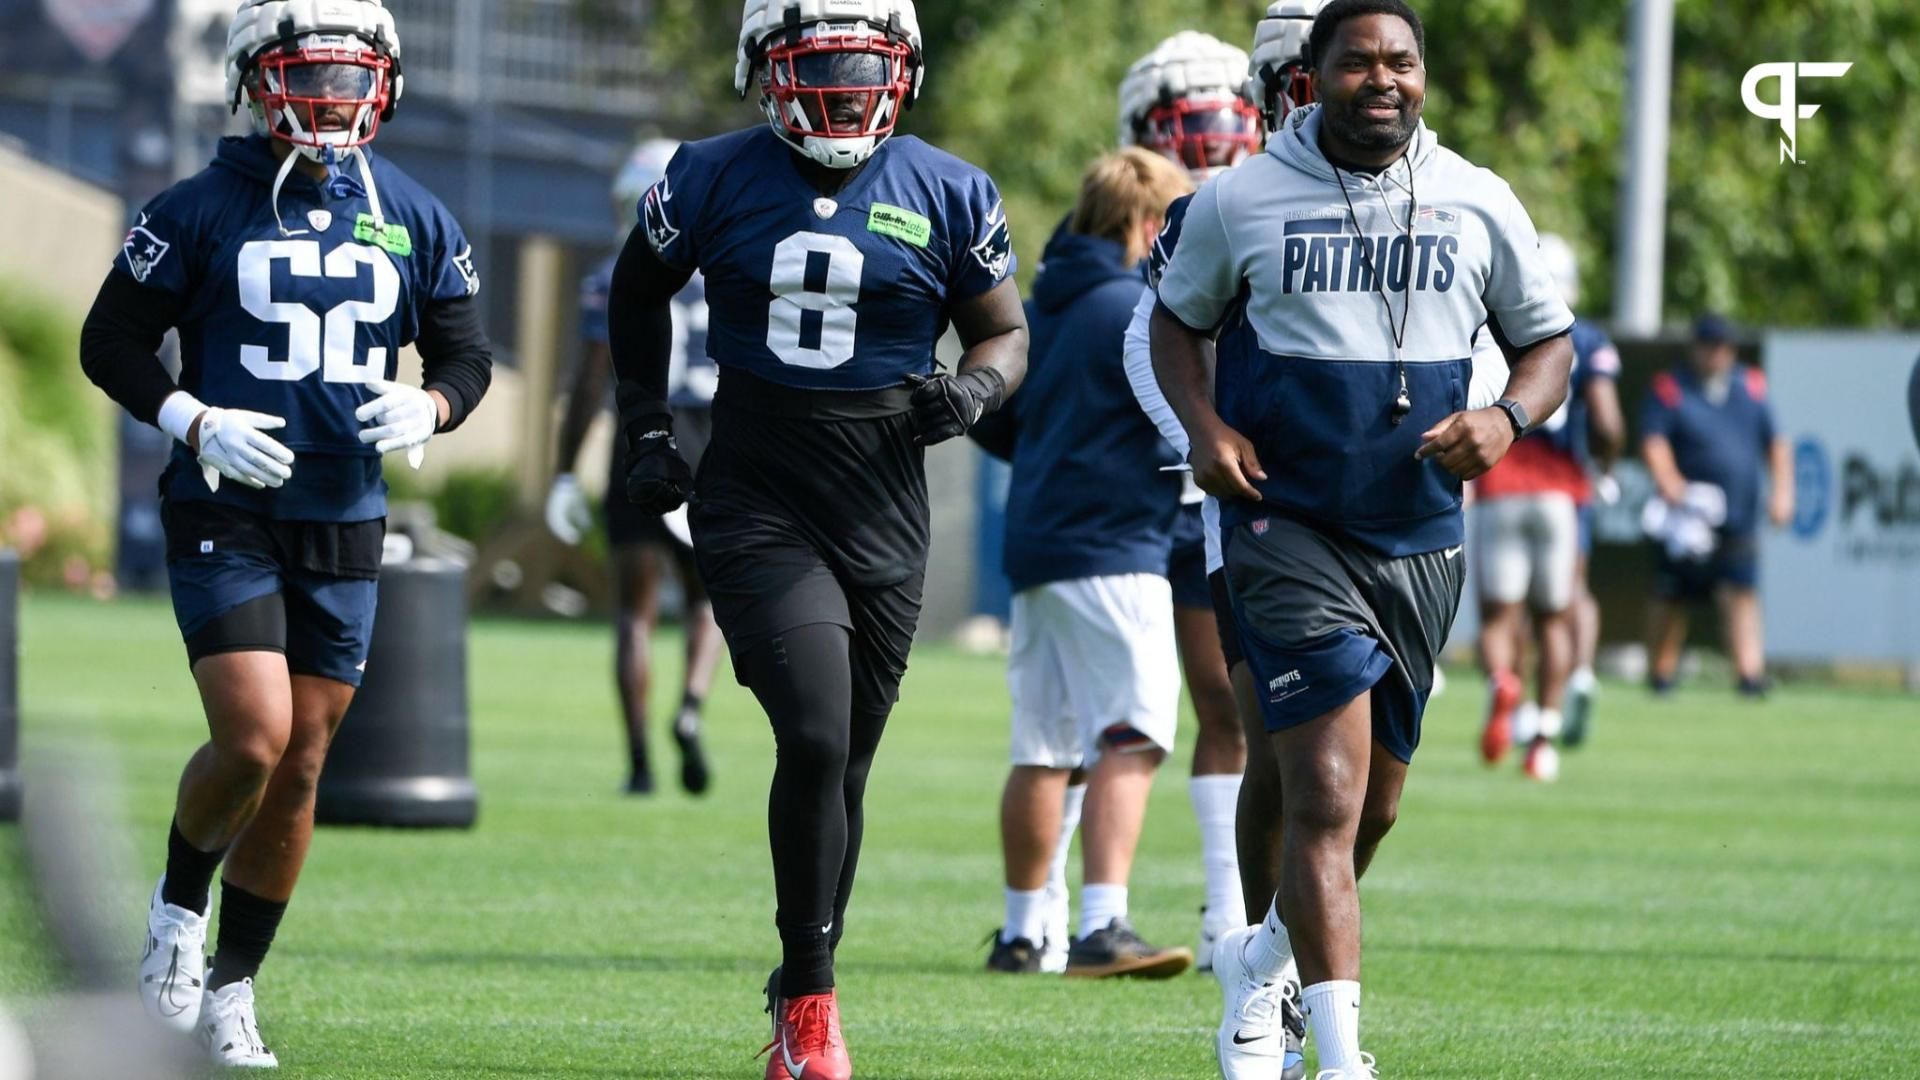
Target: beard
[(1355, 129)]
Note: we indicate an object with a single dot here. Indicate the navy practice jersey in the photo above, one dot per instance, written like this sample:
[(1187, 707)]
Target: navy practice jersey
[(691, 374), (842, 293), (296, 325)]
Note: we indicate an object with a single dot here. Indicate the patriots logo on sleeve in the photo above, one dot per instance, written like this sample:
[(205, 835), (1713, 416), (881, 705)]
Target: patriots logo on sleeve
[(653, 215), (143, 251), (994, 252), (463, 262)]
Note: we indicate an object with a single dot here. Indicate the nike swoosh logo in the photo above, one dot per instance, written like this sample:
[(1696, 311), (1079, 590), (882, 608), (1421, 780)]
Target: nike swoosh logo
[(1239, 1040), (797, 1069), (1453, 552)]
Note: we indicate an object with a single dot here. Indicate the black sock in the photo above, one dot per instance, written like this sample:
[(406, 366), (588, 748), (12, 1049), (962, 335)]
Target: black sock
[(637, 763), (189, 872), (806, 961), (247, 926)]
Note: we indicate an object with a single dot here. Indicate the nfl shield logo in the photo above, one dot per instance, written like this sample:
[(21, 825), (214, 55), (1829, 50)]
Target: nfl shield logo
[(1259, 526), (321, 220)]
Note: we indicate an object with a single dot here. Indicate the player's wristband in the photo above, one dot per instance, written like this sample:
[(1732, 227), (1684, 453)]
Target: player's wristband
[(178, 413)]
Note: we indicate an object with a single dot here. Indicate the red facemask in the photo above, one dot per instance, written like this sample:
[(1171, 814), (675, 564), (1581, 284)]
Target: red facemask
[(839, 85), (323, 96), (1204, 132)]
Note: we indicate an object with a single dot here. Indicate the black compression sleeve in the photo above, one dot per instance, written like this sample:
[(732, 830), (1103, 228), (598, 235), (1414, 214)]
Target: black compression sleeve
[(120, 341), (640, 324), (455, 356)]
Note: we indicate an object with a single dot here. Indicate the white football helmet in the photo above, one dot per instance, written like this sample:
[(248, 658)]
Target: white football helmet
[(1187, 100), (292, 59), (643, 169), (816, 60), (1563, 264), (1280, 79)]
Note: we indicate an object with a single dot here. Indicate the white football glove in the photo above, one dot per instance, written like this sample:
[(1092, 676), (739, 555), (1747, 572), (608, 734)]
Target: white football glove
[(232, 442), (405, 417), (568, 514)]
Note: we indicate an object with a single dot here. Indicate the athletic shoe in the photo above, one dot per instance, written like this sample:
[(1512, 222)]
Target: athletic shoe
[(1580, 693), (173, 969), (232, 1034), (1055, 938), (1754, 689), (639, 783), (693, 760), (1497, 737), (807, 1044), (1116, 950), (1016, 957), (1542, 762), (1262, 1030), (1364, 1069)]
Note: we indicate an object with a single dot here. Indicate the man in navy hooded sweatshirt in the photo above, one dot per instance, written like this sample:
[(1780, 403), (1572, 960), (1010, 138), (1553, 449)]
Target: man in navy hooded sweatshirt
[(1093, 673)]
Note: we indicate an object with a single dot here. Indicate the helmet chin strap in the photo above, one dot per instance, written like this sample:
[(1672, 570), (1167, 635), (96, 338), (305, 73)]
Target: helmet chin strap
[(366, 180)]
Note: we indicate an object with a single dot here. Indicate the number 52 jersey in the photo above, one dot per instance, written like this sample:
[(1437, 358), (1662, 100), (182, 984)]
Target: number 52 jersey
[(848, 292), (293, 317)]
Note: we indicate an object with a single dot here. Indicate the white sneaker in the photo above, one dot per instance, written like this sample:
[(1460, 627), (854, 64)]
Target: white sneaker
[(1055, 938), (1252, 1043), (231, 1032), (173, 969), (1364, 1069)]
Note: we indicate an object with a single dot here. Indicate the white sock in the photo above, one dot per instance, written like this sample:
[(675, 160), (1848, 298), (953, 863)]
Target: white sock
[(1550, 723), (1333, 1017), (1100, 905), (1069, 821), (1269, 952), (1582, 681), (1526, 722), (1215, 800), (1026, 910)]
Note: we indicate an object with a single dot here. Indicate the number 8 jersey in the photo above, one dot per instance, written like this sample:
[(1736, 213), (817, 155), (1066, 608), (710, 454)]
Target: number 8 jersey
[(292, 317), (841, 293)]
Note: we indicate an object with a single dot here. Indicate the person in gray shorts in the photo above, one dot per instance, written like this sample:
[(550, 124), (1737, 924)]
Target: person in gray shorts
[(1324, 620), (1364, 257)]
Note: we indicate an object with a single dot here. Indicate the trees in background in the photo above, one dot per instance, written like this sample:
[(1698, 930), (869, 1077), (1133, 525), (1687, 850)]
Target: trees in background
[(1536, 90)]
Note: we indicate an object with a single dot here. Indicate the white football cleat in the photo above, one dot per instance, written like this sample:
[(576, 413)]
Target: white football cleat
[(173, 969), (1364, 1069), (1252, 1043), (230, 1030)]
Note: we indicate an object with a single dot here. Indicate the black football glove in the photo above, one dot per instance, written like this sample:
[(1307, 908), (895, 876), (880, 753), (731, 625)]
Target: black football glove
[(658, 479), (946, 406)]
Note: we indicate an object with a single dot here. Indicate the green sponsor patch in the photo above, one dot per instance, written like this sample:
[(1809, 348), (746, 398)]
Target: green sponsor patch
[(899, 224), (394, 238)]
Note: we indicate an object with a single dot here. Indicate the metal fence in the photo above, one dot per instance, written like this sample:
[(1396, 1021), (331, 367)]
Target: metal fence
[(576, 55)]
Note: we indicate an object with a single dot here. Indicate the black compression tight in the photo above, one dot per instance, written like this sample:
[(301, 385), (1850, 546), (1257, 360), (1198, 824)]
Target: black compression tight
[(825, 735)]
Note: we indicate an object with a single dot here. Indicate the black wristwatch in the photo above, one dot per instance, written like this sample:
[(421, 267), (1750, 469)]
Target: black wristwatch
[(1516, 414)]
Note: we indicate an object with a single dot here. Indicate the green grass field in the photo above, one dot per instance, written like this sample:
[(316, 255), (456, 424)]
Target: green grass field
[(1715, 889)]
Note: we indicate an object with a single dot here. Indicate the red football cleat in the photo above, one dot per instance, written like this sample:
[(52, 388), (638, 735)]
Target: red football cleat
[(1497, 737), (807, 1044)]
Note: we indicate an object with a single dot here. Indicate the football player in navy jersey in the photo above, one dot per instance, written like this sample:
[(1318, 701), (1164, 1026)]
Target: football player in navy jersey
[(644, 544), (835, 257), (293, 280)]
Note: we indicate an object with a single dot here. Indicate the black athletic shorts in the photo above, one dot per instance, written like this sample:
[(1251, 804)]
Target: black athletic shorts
[(242, 582), (626, 523), (1324, 619), (811, 507)]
